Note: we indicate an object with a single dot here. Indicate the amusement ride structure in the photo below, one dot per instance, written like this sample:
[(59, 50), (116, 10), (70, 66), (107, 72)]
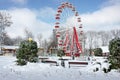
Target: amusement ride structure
[(68, 29)]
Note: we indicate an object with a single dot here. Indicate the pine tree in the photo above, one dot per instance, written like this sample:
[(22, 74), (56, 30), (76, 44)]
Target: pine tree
[(114, 58), (27, 52), (60, 53), (98, 52)]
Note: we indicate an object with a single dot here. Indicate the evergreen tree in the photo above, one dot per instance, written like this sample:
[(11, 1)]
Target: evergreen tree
[(27, 52), (98, 52), (114, 58), (60, 53)]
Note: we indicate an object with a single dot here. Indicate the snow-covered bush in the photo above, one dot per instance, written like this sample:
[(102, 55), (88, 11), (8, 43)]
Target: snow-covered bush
[(96, 69), (27, 52), (107, 70)]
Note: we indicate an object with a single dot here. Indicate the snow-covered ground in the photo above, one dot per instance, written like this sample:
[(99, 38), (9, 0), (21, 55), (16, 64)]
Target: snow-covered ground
[(41, 71)]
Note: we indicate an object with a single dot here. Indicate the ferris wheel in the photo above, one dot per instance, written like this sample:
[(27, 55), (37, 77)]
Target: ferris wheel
[(68, 29)]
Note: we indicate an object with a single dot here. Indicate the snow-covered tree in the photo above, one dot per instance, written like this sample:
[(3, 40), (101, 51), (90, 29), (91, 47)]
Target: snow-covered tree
[(5, 21), (104, 37), (39, 37), (28, 33), (90, 39), (17, 40), (7, 40), (115, 33)]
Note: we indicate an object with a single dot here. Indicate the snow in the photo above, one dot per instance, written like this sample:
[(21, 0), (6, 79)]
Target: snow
[(10, 47), (105, 49), (41, 71)]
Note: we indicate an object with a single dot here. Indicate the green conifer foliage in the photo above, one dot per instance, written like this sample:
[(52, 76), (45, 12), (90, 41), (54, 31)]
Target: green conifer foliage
[(98, 52), (114, 58), (27, 52)]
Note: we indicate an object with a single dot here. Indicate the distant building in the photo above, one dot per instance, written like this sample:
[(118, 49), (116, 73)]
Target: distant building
[(9, 50)]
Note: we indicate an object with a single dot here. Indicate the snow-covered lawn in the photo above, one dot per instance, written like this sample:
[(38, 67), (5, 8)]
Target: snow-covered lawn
[(41, 71)]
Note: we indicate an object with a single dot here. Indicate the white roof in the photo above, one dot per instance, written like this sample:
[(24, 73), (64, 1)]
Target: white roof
[(104, 49), (10, 47)]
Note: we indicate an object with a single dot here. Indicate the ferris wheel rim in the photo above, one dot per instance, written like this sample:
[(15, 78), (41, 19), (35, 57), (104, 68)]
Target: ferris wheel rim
[(59, 12)]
